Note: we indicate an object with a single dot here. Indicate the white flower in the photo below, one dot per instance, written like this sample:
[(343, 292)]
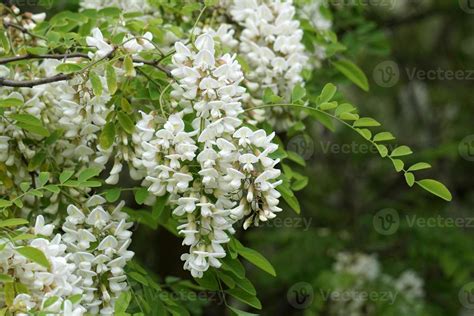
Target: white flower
[(41, 228), (97, 41), (136, 45)]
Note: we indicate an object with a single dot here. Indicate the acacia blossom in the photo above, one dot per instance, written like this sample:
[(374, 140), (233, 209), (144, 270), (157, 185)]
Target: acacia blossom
[(97, 240), (271, 43), (55, 284), (215, 170)]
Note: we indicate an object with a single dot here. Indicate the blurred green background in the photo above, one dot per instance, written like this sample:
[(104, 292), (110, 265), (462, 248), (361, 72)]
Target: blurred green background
[(427, 109)]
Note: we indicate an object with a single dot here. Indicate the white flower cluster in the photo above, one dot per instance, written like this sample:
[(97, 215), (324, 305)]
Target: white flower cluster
[(55, 284), (70, 106), (410, 284), (365, 267), (125, 5), (271, 44), (368, 277), (87, 261), (98, 242), (216, 170)]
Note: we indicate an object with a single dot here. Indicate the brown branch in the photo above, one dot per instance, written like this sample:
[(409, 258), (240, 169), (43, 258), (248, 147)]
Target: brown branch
[(44, 56), (32, 83), (21, 29), (61, 77)]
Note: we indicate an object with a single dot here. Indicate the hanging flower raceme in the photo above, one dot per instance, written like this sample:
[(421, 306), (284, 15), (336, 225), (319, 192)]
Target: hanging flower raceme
[(97, 240), (46, 286), (271, 44), (215, 170)]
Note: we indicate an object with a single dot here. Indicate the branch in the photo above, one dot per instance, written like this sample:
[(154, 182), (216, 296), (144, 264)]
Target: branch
[(45, 56), (21, 29), (61, 77), (31, 83)]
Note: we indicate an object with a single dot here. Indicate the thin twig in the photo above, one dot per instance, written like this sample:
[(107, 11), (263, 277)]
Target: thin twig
[(21, 29), (61, 77), (32, 83), (42, 56)]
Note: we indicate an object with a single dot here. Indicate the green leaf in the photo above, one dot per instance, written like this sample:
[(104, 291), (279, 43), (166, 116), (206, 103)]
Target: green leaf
[(38, 130), (352, 72), (398, 164), (138, 277), (296, 158), (326, 106), (65, 175), (367, 134), (289, 198), (112, 195), (126, 122), (43, 178), (27, 119), (257, 259), (141, 195), (234, 266), (436, 188), (383, 151), (96, 83), (129, 68), (107, 136), (383, 136), (238, 312), (9, 290), (229, 281), (4, 41), (5, 278), (323, 119), (298, 93), (401, 151), (349, 116), (111, 77), (122, 302), (34, 255), (410, 178), (5, 203), (270, 97), (10, 102), (50, 301), (88, 174), (327, 94), (30, 123), (344, 108), (53, 188), (36, 161), (209, 281), (244, 297), (366, 122), (125, 105), (419, 166), (247, 286), (68, 68), (13, 222)]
